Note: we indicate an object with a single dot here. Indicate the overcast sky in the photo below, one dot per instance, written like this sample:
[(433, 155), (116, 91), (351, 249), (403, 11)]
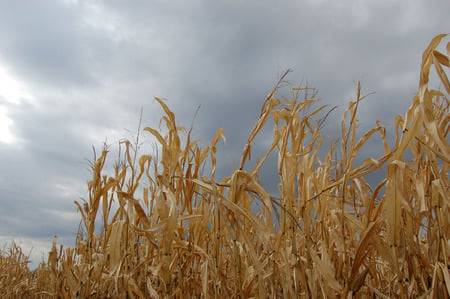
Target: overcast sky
[(76, 73)]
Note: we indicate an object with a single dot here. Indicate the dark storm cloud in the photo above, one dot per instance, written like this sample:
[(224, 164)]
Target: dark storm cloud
[(34, 176), (43, 42), (53, 43)]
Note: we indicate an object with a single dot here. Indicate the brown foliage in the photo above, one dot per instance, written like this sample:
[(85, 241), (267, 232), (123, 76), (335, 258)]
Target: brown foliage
[(168, 231)]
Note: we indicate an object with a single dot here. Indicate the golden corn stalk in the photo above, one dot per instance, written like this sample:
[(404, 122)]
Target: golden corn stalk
[(159, 229)]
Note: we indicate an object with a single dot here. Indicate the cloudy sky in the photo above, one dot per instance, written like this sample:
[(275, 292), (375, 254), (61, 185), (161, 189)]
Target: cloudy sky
[(74, 74)]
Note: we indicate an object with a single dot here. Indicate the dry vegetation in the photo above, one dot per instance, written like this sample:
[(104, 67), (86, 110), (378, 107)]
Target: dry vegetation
[(161, 229)]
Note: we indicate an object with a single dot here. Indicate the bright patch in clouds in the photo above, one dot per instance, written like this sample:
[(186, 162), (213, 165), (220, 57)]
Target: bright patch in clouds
[(11, 91)]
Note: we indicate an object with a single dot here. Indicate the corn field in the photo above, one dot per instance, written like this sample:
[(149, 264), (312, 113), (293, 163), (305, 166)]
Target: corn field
[(158, 227)]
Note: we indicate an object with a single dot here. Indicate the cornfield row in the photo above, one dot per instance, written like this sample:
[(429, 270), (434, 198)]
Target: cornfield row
[(158, 228)]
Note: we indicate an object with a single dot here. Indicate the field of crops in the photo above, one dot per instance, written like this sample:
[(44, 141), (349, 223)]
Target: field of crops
[(159, 227)]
